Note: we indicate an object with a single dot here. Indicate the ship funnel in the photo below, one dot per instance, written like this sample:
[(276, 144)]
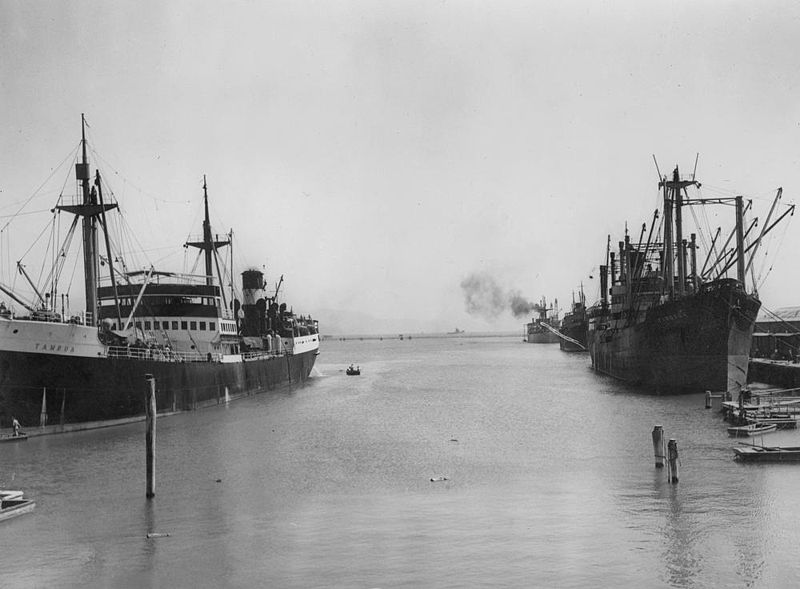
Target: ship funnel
[(253, 303), (252, 286)]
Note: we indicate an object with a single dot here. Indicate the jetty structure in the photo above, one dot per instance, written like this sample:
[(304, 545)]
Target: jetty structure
[(201, 338), (673, 318)]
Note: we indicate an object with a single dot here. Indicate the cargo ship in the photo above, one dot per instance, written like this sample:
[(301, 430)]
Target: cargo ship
[(574, 326), (674, 324), (64, 370), (543, 328)]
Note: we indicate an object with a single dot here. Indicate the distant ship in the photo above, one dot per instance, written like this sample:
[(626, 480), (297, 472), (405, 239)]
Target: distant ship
[(574, 326), (544, 325), (202, 344), (675, 323)]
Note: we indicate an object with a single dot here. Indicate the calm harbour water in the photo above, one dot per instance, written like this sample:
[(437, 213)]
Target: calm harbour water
[(550, 483)]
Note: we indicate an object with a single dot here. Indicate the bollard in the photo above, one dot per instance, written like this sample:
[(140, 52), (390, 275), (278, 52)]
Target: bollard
[(150, 435), (658, 445), (708, 399), (672, 455)]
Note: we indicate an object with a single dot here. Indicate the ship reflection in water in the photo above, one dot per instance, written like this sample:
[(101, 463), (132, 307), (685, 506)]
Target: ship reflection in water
[(548, 466)]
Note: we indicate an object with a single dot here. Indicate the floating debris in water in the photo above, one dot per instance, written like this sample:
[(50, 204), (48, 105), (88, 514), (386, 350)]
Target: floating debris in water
[(158, 535), (438, 479)]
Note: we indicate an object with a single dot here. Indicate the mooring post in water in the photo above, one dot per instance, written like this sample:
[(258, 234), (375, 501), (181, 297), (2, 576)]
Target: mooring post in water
[(150, 435), (672, 456), (658, 445)]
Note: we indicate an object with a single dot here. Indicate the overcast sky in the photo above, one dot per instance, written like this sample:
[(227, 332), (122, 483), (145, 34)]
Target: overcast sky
[(379, 153)]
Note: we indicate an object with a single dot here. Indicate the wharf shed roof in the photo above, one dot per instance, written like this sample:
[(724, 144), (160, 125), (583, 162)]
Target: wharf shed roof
[(788, 314)]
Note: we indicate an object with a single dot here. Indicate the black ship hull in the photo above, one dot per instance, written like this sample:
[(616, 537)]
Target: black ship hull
[(696, 343), (85, 390), (575, 330), (541, 336)]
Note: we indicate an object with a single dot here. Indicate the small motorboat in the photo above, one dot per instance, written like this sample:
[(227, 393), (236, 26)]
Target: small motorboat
[(754, 429), (12, 504), (20, 437), (353, 370)]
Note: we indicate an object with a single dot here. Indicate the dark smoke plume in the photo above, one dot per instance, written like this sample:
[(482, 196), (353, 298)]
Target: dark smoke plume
[(485, 298), (520, 306)]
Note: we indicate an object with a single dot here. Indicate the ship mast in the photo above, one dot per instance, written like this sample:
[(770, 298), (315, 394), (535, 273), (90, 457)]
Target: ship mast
[(740, 240), (89, 209), (667, 263), (209, 245), (207, 234), (673, 196), (678, 195)]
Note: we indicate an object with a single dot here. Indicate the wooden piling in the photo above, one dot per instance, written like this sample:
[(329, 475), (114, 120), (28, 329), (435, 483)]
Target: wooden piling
[(672, 457), (150, 435), (658, 445)]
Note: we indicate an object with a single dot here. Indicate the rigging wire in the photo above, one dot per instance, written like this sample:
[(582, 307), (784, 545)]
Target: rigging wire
[(767, 271), (143, 192), (72, 276), (35, 192), (35, 241)]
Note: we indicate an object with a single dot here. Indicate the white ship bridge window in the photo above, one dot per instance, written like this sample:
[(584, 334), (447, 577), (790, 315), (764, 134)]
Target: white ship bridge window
[(193, 325), (212, 326), (174, 326), (184, 325), (147, 325), (202, 326)]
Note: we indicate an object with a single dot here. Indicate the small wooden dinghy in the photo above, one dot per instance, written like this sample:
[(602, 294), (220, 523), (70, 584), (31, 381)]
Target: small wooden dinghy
[(20, 437), (754, 429)]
